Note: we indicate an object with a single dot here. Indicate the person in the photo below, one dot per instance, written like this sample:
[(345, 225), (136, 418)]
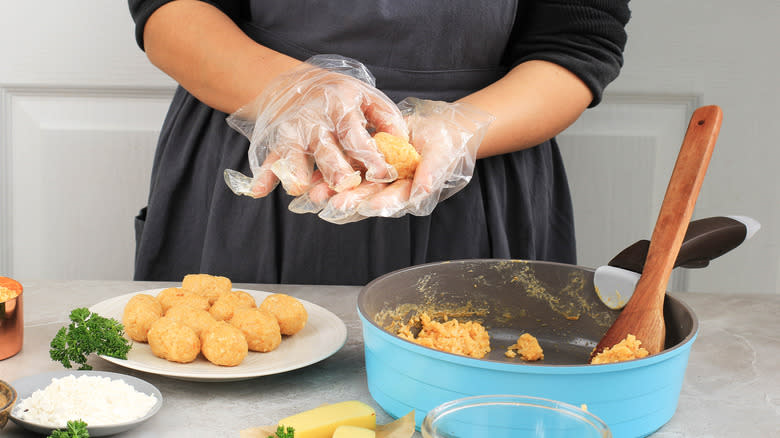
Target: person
[(533, 65)]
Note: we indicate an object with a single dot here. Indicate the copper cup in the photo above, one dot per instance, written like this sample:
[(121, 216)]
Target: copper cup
[(11, 320)]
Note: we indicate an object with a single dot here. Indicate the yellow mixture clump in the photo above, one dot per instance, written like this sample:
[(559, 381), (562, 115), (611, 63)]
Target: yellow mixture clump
[(468, 338), (627, 349), (527, 347), (7, 294), (399, 153)]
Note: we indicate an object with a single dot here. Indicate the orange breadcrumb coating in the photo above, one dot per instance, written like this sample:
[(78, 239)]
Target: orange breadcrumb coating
[(196, 319), (260, 328), (173, 295), (173, 341), (209, 286), (289, 312), (224, 344), (222, 309), (139, 314), (627, 349), (399, 153)]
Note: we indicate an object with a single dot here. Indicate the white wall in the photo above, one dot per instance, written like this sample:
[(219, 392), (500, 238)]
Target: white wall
[(80, 111), (723, 53)]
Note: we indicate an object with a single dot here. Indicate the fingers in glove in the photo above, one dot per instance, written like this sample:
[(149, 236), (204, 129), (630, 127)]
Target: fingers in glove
[(264, 180), (390, 202), (334, 165), (342, 207), (359, 146), (437, 162), (383, 115), (314, 200)]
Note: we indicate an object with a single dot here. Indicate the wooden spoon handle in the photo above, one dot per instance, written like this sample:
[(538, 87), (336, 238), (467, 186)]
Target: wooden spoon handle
[(679, 201), (643, 315)]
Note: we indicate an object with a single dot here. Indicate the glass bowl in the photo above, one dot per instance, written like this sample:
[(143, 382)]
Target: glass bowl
[(511, 416)]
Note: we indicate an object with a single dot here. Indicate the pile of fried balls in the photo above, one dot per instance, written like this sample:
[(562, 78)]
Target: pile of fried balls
[(205, 315)]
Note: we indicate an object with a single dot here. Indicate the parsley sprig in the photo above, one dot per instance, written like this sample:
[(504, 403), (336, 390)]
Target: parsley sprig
[(74, 429), (88, 333), (282, 433)]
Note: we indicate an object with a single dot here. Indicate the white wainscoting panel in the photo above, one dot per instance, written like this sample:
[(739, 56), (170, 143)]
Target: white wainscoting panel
[(619, 157), (76, 168)]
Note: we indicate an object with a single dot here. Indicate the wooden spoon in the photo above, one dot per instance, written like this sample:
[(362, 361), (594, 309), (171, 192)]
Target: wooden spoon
[(643, 315)]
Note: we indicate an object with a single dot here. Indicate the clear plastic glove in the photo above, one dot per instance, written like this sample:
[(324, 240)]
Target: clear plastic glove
[(447, 136), (317, 114)]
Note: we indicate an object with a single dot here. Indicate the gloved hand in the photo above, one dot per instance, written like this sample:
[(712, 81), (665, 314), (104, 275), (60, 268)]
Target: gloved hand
[(447, 136), (318, 113)]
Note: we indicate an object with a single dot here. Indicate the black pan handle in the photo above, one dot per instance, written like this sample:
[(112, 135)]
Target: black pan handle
[(705, 240)]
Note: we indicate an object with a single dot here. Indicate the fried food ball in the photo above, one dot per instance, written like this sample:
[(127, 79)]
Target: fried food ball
[(174, 295), (194, 318), (222, 309), (173, 341), (289, 312), (140, 312), (260, 328), (223, 344), (209, 286), (398, 153)]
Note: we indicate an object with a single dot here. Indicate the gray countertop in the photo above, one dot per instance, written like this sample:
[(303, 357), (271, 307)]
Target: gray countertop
[(731, 388)]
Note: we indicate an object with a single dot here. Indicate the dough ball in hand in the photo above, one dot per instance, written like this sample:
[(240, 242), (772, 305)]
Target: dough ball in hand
[(398, 153)]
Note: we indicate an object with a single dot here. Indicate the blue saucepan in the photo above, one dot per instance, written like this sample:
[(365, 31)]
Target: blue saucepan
[(554, 302)]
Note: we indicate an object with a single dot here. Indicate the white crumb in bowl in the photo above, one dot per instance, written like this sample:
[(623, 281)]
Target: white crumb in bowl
[(95, 400)]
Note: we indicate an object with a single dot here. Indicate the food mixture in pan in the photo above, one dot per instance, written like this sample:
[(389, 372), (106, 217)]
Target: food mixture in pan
[(206, 316), (527, 347), (627, 349), (465, 338)]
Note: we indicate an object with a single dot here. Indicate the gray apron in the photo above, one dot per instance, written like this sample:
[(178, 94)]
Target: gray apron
[(516, 206)]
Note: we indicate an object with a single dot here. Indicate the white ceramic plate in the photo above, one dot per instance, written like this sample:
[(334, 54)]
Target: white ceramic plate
[(323, 335), (27, 385)]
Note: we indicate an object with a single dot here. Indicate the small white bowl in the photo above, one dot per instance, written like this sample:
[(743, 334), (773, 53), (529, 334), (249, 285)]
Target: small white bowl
[(27, 385)]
